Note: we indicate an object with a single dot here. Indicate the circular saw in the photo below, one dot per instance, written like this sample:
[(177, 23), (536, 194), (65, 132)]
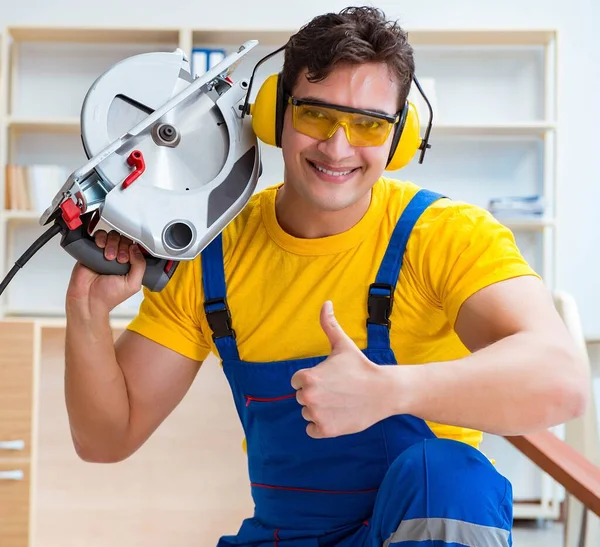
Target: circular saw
[(171, 162)]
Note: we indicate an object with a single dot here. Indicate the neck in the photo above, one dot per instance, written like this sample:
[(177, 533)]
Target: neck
[(300, 219)]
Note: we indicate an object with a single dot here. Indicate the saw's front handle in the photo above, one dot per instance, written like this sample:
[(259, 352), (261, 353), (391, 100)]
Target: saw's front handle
[(82, 247)]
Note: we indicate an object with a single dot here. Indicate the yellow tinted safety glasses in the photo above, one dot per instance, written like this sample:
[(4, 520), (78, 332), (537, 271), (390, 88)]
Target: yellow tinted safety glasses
[(321, 121)]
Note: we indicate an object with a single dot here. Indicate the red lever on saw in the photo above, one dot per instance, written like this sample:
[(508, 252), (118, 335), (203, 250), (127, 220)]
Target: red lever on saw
[(136, 159)]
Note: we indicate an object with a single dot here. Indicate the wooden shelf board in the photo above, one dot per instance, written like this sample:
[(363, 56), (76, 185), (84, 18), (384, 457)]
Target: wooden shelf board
[(61, 323), (55, 318), (537, 129), (13, 215), (235, 37), (41, 33), (107, 35), (491, 37), (417, 37), (527, 510), (526, 224), (39, 125)]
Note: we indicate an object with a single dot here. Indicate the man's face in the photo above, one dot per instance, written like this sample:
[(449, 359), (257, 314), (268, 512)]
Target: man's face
[(352, 170)]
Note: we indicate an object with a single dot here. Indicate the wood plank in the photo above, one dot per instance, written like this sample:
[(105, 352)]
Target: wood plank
[(563, 463), (472, 37), (14, 503), (105, 35), (39, 125), (236, 37), (16, 386)]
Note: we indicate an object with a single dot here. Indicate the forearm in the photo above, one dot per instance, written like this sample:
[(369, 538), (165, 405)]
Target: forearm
[(95, 389), (519, 384)]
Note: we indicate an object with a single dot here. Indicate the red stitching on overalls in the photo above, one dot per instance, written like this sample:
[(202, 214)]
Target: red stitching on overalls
[(276, 534), (267, 399), (296, 489)]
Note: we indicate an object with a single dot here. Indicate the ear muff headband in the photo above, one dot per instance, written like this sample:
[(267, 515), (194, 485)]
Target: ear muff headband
[(268, 111)]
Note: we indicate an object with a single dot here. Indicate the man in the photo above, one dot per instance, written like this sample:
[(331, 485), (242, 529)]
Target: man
[(330, 278)]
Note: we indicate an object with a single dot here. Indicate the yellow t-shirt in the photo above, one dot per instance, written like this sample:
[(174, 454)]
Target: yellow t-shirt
[(277, 283)]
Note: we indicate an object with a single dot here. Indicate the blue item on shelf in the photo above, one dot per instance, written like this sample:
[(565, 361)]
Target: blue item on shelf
[(517, 206), (203, 59)]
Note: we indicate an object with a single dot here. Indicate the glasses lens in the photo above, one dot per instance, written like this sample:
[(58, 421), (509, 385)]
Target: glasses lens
[(321, 122), (368, 130), (315, 121)]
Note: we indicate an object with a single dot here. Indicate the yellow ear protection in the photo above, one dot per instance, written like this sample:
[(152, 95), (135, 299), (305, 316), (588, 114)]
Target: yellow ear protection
[(268, 111)]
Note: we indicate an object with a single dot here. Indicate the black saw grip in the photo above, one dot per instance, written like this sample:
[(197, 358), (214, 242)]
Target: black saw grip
[(82, 247)]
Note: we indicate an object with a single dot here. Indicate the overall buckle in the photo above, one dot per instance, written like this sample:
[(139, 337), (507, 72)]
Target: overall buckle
[(379, 306), (219, 319)]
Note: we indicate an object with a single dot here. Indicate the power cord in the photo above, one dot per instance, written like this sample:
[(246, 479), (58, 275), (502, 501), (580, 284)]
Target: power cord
[(55, 229)]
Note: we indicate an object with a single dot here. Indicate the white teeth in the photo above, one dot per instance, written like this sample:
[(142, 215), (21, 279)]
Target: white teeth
[(333, 173)]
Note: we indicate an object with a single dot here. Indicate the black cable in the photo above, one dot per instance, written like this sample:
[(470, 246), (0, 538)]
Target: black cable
[(56, 228)]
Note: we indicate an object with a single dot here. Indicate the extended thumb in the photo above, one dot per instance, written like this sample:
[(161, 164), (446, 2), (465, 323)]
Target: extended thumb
[(331, 327)]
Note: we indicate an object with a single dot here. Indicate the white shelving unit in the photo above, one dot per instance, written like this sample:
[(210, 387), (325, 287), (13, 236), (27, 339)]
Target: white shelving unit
[(494, 135)]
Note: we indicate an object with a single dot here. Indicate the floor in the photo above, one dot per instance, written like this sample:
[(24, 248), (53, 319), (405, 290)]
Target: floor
[(532, 534)]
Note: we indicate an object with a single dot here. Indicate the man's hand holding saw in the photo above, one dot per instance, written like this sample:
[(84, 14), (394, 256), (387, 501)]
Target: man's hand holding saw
[(101, 293)]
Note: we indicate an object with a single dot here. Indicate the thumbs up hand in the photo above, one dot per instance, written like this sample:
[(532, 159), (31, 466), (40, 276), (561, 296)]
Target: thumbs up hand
[(346, 393)]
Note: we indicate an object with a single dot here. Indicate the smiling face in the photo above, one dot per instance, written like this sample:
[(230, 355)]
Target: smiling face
[(332, 175)]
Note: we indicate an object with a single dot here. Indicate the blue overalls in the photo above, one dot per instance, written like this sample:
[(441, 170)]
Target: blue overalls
[(394, 484)]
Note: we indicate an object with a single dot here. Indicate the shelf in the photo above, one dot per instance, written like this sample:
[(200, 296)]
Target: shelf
[(93, 34), (40, 33), (526, 510), (533, 129), (236, 37), (527, 224), (417, 37), (491, 37), (40, 125), (56, 316), (61, 322), (20, 216)]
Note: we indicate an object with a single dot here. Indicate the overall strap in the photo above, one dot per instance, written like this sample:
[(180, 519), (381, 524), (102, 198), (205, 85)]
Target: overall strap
[(215, 300), (381, 293)]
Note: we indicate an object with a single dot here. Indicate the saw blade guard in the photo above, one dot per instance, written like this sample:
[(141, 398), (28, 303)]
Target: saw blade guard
[(172, 161)]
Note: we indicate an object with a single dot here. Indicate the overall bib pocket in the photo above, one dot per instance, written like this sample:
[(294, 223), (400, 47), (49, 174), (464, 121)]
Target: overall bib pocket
[(277, 430)]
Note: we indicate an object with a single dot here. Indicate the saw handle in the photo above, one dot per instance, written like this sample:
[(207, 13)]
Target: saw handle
[(82, 247)]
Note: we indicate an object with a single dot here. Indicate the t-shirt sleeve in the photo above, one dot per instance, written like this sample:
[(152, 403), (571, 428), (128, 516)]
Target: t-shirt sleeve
[(171, 317), (462, 248)]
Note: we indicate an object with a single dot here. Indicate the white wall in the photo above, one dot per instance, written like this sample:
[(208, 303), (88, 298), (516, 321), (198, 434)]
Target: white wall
[(577, 21)]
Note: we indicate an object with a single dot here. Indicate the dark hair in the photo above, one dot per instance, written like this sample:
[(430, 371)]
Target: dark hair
[(355, 35)]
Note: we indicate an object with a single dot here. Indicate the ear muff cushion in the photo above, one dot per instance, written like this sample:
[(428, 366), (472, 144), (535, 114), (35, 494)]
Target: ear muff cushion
[(264, 111), (410, 141)]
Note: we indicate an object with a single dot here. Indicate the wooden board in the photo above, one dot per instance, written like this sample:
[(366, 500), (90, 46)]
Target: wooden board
[(16, 385), (577, 474)]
